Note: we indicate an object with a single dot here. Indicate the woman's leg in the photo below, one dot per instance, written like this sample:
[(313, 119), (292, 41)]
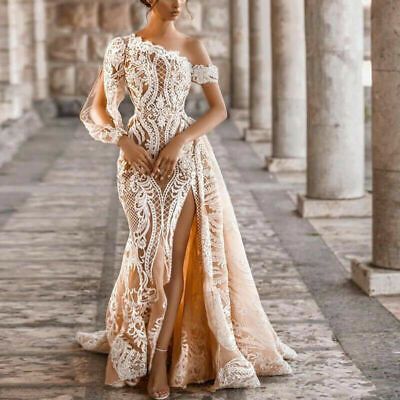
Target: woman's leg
[(173, 289)]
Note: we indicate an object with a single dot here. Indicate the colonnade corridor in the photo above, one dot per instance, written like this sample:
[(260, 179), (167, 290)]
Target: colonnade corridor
[(310, 154)]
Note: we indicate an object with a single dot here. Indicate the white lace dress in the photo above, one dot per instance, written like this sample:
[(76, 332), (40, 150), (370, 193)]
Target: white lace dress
[(221, 332)]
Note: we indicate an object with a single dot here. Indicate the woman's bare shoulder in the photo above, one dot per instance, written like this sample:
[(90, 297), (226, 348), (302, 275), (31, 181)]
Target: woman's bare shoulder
[(196, 50)]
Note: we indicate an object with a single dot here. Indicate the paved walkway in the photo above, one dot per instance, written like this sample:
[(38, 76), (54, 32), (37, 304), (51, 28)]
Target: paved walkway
[(62, 233)]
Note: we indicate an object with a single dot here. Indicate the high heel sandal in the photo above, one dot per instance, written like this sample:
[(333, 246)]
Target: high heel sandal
[(156, 395)]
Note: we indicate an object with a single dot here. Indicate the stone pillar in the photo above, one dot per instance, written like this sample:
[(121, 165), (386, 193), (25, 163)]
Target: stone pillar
[(11, 91), (335, 135), (260, 72), (240, 59), (4, 49), (20, 13), (5, 103), (40, 78), (289, 102), (385, 155), (22, 29)]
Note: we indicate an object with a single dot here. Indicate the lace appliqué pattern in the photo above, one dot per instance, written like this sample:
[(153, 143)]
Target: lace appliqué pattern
[(220, 334), (202, 74)]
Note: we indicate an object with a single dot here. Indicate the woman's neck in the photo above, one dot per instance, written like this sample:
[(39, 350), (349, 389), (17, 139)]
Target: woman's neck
[(159, 28)]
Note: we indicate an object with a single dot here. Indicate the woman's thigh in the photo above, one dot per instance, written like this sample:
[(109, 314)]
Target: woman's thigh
[(182, 231)]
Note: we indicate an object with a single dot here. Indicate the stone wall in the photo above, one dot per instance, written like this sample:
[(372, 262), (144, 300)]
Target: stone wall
[(23, 69), (78, 32), (52, 48)]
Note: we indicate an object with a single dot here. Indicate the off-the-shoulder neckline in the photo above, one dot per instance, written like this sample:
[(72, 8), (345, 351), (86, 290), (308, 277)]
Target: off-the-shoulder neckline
[(164, 50)]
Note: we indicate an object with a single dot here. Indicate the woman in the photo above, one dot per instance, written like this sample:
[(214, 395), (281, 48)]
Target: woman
[(185, 296)]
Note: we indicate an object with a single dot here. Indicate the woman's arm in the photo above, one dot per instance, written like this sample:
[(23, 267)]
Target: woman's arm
[(99, 112), (216, 112)]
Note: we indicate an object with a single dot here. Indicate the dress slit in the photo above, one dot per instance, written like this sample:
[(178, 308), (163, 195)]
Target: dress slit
[(193, 342), (163, 261), (178, 222)]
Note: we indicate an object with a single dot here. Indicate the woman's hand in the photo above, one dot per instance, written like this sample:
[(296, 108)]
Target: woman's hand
[(168, 157), (136, 155)]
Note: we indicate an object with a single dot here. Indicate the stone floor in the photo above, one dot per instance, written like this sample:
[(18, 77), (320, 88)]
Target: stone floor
[(348, 238), (62, 233)]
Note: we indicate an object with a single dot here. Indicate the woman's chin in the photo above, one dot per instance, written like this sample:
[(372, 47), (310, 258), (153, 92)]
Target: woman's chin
[(171, 18)]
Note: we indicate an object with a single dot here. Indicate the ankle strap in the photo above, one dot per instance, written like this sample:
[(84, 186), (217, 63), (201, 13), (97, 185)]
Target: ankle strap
[(157, 348)]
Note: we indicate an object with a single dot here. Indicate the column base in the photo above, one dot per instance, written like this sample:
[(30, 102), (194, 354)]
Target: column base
[(241, 114), (257, 135), (14, 100), (275, 164), (16, 131), (314, 208), (375, 281), (241, 125)]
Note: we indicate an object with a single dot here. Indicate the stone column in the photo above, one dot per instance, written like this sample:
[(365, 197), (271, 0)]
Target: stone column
[(5, 103), (11, 89), (4, 50), (289, 102), (41, 78), (260, 72), (20, 13), (335, 135), (385, 155), (240, 59)]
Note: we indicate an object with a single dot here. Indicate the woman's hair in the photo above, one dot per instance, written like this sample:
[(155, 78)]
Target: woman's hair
[(147, 3)]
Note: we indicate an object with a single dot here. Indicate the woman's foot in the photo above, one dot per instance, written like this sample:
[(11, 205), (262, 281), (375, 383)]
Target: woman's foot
[(157, 385)]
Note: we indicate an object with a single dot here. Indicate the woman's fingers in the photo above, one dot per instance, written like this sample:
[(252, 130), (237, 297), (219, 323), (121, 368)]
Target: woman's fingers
[(163, 162), (164, 166), (162, 170), (169, 170), (147, 159), (173, 165), (143, 160), (143, 165), (139, 158), (156, 168)]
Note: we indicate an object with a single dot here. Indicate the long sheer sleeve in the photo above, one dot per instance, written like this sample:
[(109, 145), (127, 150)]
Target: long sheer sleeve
[(112, 75)]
